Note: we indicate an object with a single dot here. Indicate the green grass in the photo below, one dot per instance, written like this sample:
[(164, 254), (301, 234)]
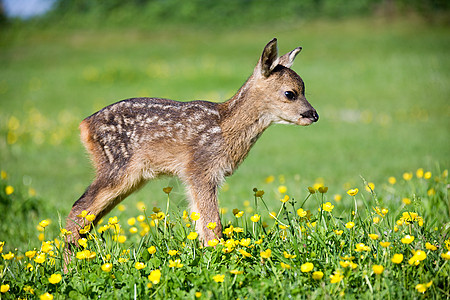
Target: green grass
[(380, 87), (296, 254)]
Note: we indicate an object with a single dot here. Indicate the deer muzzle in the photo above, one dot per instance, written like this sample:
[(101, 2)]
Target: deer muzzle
[(309, 117)]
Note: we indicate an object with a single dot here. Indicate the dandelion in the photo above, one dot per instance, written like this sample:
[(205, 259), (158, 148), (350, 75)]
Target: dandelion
[(40, 258), (266, 254), (397, 258), (302, 213), (219, 278), (9, 190), (337, 198), (287, 255), (155, 276), (306, 267), (172, 252), (327, 207), (255, 218), (213, 242), (198, 294), (44, 223), (270, 179), (317, 275), (392, 180), (139, 265), (376, 220), (175, 263), (361, 247), (245, 242), (46, 247), (211, 225), (285, 199), (107, 267), (151, 249), (338, 232), (446, 255), (113, 220), (385, 244), (195, 216), (422, 287), (192, 236), (349, 225), (373, 236), (90, 218), (244, 253), (55, 278), (407, 239), (236, 272), (30, 254), (427, 175), (406, 201), (282, 189), (407, 176), (285, 266), (1, 246), (4, 288), (370, 187), (378, 269), (8, 256), (336, 277), (82, 242), (353, 192), (46, 296)]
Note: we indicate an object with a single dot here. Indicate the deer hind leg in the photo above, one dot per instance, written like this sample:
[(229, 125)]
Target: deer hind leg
[(100, 197), (203, 200)]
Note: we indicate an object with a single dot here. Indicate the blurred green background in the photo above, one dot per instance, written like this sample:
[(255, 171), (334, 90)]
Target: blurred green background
[(376, 71)]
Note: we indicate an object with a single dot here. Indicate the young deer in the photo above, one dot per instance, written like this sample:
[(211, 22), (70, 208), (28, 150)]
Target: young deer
[(135, 140)]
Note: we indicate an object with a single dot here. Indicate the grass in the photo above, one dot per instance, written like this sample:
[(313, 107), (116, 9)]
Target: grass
[(381, 90), (369, 252)]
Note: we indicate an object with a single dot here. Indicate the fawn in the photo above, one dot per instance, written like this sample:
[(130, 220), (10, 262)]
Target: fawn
[(135, 140)]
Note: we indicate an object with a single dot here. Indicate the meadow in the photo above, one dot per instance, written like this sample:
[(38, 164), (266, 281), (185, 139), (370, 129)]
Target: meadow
[(381, 89)]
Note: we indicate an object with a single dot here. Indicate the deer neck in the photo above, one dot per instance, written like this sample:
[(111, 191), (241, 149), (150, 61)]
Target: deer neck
[(243, 120)]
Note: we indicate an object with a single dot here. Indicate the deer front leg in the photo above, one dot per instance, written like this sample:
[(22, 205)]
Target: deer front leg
[(203, 200)]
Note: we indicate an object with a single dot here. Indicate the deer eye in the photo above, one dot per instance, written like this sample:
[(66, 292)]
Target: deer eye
[(290, 95)]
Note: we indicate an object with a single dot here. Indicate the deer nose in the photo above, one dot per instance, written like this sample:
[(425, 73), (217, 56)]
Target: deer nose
[(312, 115)]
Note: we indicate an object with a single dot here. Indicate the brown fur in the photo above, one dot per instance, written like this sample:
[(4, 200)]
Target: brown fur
[(135, 140)]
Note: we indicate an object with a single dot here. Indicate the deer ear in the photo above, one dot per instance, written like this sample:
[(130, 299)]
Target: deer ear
[(287, 60), (268, 60)]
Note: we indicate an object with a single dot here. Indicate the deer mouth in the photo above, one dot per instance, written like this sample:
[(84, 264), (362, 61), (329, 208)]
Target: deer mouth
[(308, 118)]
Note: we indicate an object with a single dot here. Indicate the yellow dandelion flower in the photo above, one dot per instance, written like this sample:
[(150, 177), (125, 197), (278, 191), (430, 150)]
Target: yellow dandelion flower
[(46, 247), (285, 199), (195, 216), (151, 249), (338, 232), (155, 276), (317, 275), (431, 247), (327, 207), (46, 296), (82, 242), (219, 278), (175, 263), (44, 223), (236, 272), (419, 173), (9, 190), (139, 265), (113, 220), (1, 246), (407, 239), (244, 253), (407, 176), (376, 220), (378, 269), (90, 218), (30, 254), (422, 287), (83, 214), (406, 201), (192, 235), (40, 258), (213, 242), (255, 218), (302, 213), (306, 267), (285, 266), (370, 187), (287, 255), (397, 258), (336, 277), (8, 256), (349, 225), (427, 175), (172, 252), (266, 254), (55, 278), (337, 197), (446, 255), (361, 247), (270, 179), (373, 236), (353, 192), (4, 288), (282, 189), (385, 244), (392, 180), (3, 175), (211, 225)]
